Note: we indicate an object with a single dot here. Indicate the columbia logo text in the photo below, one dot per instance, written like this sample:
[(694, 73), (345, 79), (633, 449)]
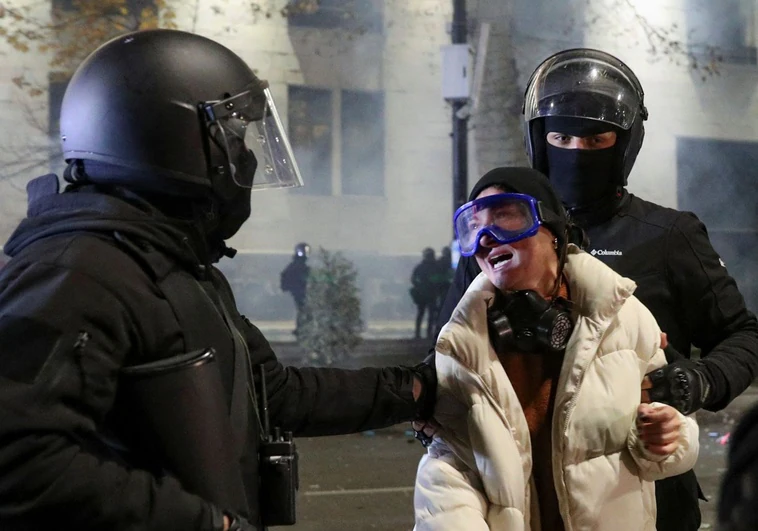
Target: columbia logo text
[(605, 252)]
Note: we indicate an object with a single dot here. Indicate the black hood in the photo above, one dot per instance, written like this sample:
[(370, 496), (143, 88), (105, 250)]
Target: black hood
[(106, 210)]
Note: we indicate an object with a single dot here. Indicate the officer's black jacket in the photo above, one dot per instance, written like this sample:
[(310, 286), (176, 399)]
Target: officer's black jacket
[(69, 279), (680, 279)]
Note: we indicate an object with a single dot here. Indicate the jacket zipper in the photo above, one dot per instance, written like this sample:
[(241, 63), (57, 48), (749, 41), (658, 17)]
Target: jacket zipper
[(558, 479)]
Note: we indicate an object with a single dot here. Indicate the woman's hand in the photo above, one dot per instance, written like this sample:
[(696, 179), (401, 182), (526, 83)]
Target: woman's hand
[(658, 428)]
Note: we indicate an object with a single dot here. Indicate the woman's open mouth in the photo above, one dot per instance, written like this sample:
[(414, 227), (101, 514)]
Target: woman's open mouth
[(500, 260)]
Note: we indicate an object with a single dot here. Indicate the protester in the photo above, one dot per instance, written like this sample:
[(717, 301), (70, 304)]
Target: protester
[(539, 370), (583, 122)]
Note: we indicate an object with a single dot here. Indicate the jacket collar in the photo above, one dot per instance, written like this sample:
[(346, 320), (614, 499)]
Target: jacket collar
[(597, 294)]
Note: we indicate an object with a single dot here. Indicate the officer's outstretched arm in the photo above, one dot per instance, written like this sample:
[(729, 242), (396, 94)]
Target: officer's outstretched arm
[(325, 401)]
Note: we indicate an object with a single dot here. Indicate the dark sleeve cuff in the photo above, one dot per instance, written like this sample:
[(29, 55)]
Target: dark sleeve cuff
[(720, 395)]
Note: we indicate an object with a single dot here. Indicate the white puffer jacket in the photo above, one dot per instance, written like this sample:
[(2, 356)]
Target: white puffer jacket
[(477, 473)]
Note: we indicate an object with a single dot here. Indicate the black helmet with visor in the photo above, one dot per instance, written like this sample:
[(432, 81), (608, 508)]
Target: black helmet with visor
[(178, 114), (589, 84)]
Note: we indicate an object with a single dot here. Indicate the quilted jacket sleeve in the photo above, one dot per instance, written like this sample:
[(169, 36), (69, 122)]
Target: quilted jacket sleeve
[(446, 497), (449, 495), (480, 484)]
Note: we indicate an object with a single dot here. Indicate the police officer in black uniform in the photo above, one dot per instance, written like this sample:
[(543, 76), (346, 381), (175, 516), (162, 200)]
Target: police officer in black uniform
[(111, 288), (583, 126), (294, 279), (423, 291)]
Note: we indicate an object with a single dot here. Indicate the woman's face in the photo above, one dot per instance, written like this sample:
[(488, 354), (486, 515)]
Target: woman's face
[(531, 263)]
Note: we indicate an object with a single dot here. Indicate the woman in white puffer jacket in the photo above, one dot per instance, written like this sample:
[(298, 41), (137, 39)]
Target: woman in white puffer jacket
[(542, 433)]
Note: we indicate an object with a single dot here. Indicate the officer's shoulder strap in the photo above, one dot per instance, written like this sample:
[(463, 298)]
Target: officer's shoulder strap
[(198, 316), (176, 284)]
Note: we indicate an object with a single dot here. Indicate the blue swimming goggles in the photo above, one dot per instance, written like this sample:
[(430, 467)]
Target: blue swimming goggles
[(506, 218)]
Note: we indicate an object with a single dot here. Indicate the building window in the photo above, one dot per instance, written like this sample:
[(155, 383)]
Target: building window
[(338, 140), (362, 143), (716, 180), (310, 131), (721, 31), (354, 15)]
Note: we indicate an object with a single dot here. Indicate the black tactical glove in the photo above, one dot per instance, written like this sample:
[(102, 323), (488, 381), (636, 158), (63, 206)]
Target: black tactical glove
[(236, 523), (427, 373), (682, 385)]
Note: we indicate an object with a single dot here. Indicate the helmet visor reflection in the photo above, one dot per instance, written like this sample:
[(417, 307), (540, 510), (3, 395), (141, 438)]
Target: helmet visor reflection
[(251, 133), (582, 87), (506, 218)]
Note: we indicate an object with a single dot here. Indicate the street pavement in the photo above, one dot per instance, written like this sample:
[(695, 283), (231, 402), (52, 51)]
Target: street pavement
[(365, 481)]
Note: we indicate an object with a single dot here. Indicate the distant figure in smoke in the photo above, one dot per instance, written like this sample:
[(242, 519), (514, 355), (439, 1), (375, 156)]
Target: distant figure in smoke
[(424, 291), (294, 279)]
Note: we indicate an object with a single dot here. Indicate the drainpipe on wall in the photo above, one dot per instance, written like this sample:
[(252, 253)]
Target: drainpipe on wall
[(460, 123)]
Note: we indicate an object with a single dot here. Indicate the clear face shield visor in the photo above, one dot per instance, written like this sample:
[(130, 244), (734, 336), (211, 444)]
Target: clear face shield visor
[(506, 218), (247, 125), (585, 88)]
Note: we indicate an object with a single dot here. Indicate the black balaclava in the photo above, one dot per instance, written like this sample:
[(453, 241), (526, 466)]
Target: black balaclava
[(218, 213), (232, 214), (232, 200), (581, 177)]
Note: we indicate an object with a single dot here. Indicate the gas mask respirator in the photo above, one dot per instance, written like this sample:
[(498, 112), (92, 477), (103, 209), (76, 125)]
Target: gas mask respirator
[(522, 321)]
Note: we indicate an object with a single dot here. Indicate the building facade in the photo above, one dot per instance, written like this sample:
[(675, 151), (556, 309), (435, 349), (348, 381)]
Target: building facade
[(358, 85)]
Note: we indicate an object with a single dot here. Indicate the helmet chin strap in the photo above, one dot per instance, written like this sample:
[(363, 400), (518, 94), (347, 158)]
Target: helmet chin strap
[(207, 222)]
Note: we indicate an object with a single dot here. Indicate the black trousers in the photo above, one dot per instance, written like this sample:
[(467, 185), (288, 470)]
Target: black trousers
[(677, 500), (431, 308)]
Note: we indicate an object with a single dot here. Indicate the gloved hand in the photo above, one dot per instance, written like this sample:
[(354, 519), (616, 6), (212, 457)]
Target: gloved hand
[(423, 425), (426, 372), (237, 523), (226, 521), (682, 384)]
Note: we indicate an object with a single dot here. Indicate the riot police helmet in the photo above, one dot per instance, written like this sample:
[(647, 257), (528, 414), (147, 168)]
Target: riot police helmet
[(174, 113), (592, 85), (302, 250)]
